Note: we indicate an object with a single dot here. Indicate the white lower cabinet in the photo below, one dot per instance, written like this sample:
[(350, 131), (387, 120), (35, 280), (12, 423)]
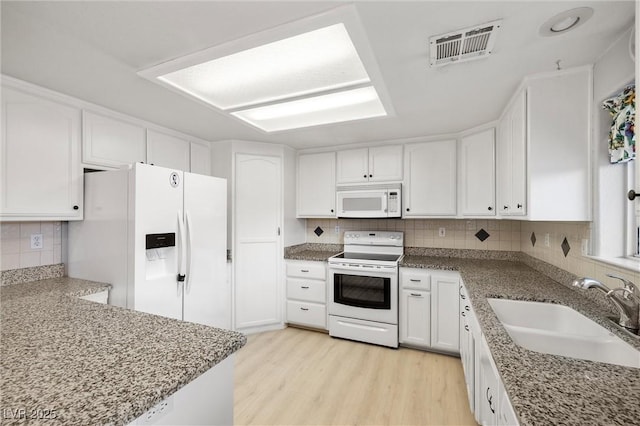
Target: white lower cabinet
[(429, 309), (488, 398), (307, 293)]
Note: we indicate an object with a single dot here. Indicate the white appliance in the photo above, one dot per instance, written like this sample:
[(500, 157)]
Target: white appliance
[(363, 287), (363, 201), (158, 236)]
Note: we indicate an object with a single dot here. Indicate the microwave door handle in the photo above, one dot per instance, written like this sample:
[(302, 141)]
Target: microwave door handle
[(385, 203)]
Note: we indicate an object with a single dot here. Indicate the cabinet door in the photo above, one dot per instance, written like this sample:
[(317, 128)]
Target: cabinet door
[(167, 151), (110, 142), (353, 166), (415, 317), (200, 159), (477, 177), (519, 156), (385, 163), (445, 317), (317, 185), (489, 388), (506, 415), (40, 159), (503, 169), (430, 179)]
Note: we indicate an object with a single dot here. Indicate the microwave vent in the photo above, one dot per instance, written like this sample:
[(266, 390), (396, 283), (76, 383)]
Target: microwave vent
[(463, 45)]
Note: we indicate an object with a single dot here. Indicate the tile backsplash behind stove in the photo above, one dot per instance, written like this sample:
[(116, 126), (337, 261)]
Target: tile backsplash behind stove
[(479, 234)]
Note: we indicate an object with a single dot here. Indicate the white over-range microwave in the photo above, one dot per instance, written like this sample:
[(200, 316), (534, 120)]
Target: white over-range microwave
[(369, 201)]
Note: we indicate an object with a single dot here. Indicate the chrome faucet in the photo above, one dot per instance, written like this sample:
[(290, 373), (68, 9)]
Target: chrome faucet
[(626, 299)]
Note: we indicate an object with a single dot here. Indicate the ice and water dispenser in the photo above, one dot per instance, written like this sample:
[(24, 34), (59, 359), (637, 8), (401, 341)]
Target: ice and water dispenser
[(161, 255)]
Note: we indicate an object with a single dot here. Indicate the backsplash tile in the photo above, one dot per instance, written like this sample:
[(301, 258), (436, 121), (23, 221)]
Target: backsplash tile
[(15, 247), (459, 233)]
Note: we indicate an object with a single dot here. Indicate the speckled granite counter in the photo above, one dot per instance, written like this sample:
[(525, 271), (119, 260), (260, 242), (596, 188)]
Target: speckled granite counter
[(310, 251), (94, 363), (545, 389)]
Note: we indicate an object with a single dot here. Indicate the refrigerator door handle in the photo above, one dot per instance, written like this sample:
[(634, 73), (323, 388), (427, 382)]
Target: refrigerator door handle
[(181, 254), (189, 250)]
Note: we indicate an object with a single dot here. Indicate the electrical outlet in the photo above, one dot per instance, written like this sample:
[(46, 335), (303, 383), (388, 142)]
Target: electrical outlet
[(156, 412), (585, 247), (442, 232), (36, 241), (337, 229), (547, 242)]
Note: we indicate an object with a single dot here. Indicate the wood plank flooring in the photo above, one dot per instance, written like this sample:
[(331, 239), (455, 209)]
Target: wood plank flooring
[(301, 377)]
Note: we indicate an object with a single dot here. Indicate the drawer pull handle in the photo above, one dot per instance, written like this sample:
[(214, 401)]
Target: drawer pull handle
[(462, 296), (304, 270), (415, 280), (304, 309), (466, 308), (304, 286), (463, 314), (466, 327), (416, 294)]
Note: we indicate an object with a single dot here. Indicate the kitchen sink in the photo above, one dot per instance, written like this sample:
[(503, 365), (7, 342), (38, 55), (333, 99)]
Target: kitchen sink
[(560, 330)]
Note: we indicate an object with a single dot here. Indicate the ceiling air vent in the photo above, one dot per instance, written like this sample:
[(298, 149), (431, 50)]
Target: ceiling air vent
[(463, 45)]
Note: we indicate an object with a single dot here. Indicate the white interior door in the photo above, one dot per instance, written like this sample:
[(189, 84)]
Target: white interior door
[(257, 211), (207, 295)]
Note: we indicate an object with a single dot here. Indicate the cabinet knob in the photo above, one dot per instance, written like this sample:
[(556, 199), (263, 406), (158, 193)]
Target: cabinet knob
[(364, 176), (519, 206), (505, 208), (489, 208), (408, 209), (331, 210), (370, 175), (76, 207), (631, 195)]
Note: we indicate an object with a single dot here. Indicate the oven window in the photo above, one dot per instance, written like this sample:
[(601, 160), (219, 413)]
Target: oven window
[(363, 292)]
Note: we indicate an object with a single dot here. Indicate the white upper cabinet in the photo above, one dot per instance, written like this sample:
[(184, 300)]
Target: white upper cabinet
[(316, 185), (430, 179), (200, 159), (353, 166), (385, 163), (477, 174), (376, 164), (110, 142), (167, 151), (512, 164), (40, 159), (543, 148)]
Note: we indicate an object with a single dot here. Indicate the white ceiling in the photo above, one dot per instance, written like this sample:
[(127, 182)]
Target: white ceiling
[(93, 50)]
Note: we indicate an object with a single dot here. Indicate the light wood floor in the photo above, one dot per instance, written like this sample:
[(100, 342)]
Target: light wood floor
[(301, 377)]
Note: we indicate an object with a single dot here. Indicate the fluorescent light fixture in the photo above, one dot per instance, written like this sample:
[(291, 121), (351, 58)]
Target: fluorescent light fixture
[(286, 78), (309, 63), (335, 107)]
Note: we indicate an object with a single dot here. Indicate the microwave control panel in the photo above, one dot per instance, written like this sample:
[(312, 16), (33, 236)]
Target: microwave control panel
[(393, 206)]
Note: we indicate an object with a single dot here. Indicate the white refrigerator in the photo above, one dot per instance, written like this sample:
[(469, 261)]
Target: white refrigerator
[(158, 236)]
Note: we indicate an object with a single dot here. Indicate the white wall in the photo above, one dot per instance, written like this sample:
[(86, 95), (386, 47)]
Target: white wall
[(613, 70)]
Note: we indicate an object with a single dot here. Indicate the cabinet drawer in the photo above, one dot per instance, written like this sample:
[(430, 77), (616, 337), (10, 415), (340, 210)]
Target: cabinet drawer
[(415, 278), (308, 290), (313, 270), (310, 314)]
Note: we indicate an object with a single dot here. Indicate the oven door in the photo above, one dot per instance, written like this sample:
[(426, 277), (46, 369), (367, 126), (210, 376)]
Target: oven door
[(362, 203), (364, 292)]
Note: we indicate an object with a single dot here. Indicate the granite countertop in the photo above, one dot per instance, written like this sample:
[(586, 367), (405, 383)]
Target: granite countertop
[(312, 252), (93, 363), (543, 388)]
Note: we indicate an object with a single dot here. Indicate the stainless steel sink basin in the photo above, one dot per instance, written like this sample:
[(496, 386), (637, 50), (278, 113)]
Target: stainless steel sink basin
[(560, 330)]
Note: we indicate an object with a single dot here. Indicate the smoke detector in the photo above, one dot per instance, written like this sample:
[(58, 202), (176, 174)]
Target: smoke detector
[(463, 45)]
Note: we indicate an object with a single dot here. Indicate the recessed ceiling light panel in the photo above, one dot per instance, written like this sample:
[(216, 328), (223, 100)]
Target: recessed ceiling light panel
[(316, 61), (566, 21), (336, 107)]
